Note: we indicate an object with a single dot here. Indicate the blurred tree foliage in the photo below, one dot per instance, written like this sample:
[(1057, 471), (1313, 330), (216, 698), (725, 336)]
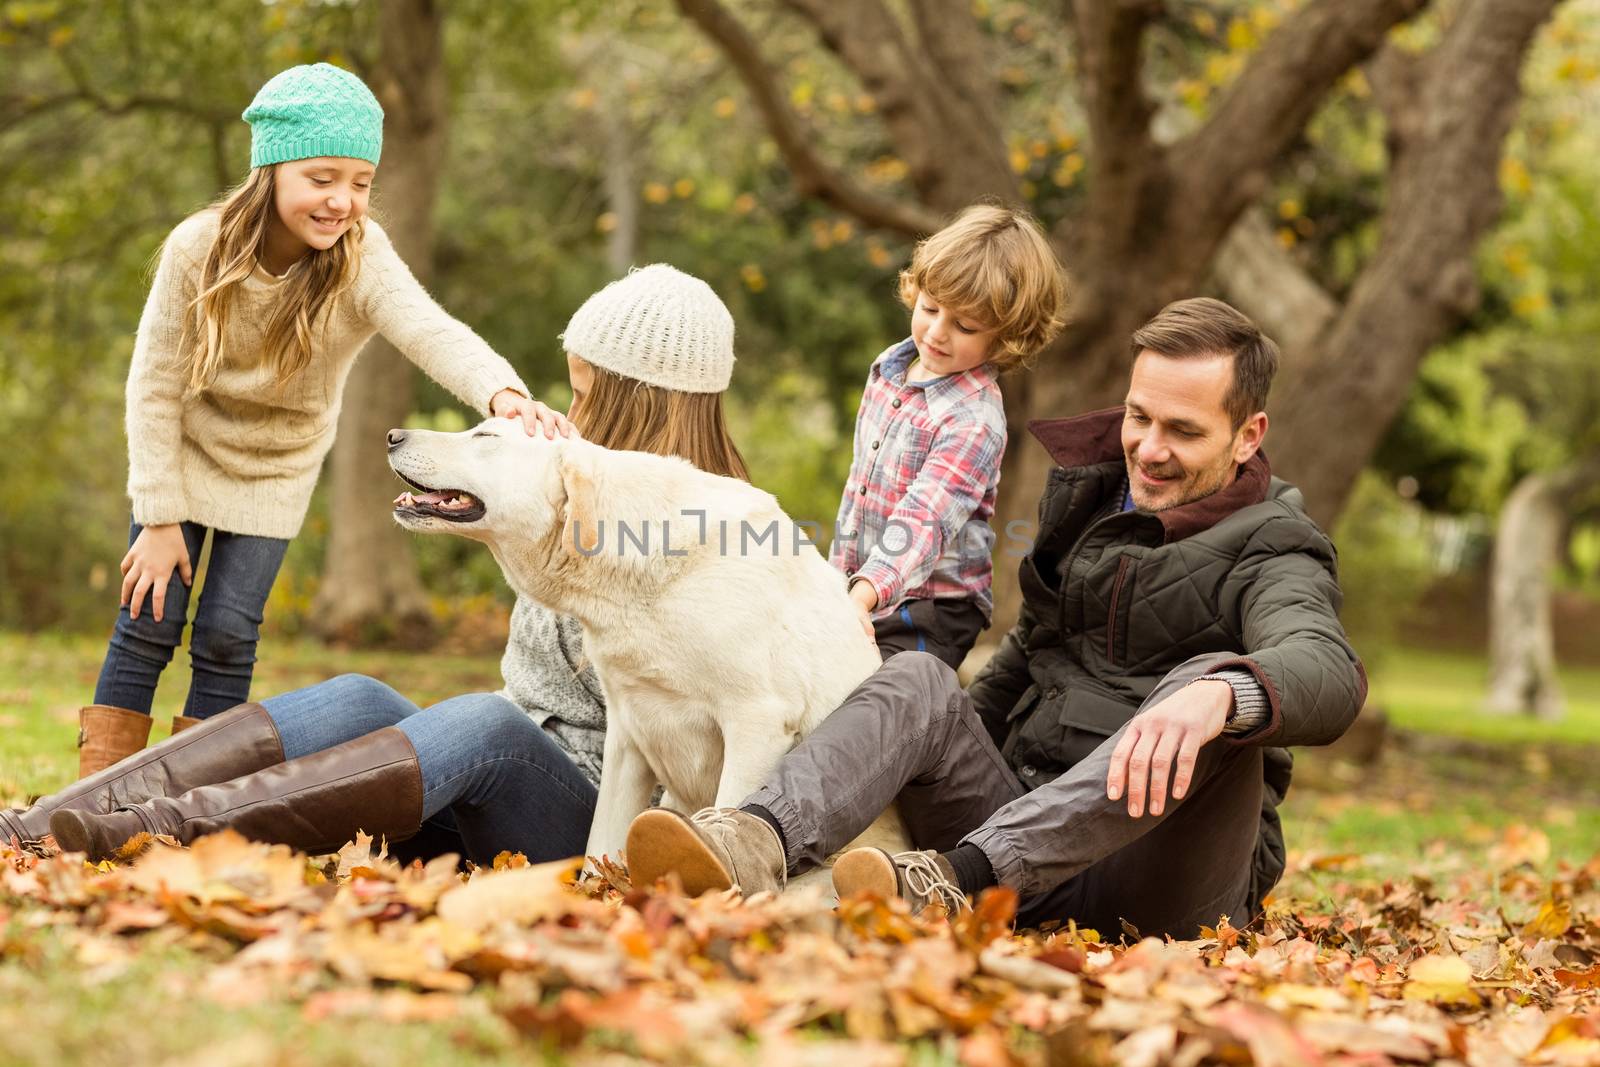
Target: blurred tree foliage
[(1519, 390), (116, 120)]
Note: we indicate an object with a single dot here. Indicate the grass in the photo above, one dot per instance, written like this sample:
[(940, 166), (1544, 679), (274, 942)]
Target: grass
[(1452, 776), (159, 1007), (1452, 784), (1442, 693), (45, 679)]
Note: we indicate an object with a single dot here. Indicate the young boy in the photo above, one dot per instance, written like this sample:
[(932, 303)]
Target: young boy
[(913, 529)]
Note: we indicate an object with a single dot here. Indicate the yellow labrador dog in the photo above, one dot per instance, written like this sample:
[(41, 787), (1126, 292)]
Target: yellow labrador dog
[(719, 633)]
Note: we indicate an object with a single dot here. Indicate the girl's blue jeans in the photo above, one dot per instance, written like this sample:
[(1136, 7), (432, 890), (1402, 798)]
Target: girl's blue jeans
[(227, 624), (492, 778)]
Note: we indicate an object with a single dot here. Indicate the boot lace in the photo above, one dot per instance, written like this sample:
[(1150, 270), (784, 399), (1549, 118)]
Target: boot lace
[(926, 883), (714, 819), (724, 827)]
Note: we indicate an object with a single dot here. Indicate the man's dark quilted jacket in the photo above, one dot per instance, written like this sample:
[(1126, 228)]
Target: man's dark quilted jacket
[(1113, 600)]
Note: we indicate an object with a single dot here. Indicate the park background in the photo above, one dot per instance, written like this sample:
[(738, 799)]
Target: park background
[(1403, 193)]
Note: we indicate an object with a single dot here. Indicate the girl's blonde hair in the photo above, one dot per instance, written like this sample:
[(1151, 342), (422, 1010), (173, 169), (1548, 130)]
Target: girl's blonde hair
[(309, 289), (994, 264), (625, 413)]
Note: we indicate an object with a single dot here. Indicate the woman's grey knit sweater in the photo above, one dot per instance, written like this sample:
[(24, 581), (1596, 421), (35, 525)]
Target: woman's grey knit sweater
[(548, 676)]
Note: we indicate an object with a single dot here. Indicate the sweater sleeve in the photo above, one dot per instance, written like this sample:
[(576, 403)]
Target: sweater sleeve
[(1251, 708), (157, 378), (448, 351)]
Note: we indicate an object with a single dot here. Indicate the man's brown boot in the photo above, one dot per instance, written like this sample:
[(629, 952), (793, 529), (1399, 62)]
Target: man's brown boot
[(315, 803), (715, 848), (107, 735), (922, 879), (234, 742), (181, 723)]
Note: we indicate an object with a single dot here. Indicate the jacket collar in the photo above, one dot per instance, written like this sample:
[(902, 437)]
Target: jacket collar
[(1086, 440), (940, 394)]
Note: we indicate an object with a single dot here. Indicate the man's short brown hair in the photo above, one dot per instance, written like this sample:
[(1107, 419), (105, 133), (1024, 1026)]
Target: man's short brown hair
[(994, 264), (1205, 327)]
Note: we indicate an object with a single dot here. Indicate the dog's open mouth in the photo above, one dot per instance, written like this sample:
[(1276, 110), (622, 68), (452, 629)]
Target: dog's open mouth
[(452, 505)]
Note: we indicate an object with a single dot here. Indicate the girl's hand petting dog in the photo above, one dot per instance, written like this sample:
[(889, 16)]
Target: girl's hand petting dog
[(149, 564), (510, 404)]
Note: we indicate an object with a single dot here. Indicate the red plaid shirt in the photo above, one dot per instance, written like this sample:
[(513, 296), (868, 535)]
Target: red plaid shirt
[(914, 520)]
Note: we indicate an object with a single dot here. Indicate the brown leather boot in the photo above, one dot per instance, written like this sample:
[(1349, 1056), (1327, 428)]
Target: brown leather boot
[(181, 723), (234, 742), (107, 734), (315, 803)]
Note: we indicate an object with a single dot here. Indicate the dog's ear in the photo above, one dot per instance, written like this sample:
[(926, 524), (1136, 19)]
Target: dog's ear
[(580, 523)]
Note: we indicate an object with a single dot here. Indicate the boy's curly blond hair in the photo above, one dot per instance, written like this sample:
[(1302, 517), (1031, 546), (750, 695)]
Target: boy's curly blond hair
[(992, 263)]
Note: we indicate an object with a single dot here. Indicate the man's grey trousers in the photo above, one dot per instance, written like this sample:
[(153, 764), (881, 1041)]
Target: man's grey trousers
[(909, 734)]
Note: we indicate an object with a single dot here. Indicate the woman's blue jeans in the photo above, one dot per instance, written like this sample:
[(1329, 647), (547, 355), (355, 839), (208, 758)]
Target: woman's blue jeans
[(227, 624), (492, 778)]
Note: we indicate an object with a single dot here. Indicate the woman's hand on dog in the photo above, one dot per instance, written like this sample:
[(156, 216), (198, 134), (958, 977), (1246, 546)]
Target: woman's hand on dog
[(510, 404), (148, 567)]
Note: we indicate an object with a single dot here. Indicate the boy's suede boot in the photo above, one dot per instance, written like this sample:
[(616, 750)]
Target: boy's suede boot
[(715, 848), (315, 803), (234, 742), (922, 879), (107, 735)]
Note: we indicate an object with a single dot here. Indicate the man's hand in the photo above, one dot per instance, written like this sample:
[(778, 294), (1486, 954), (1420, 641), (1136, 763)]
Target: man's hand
[(865, 598), (510, 404), (1178, 725)]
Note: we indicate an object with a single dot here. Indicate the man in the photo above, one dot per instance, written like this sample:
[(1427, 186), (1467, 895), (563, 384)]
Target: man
[(1179, 626)]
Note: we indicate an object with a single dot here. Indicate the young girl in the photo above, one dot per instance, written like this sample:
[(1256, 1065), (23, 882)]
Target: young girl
[(649, 357), (259, 307)]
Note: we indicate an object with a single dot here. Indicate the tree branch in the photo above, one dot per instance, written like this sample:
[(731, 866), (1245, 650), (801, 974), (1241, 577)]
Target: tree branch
[(134, 102), (1396, 80), (1110, 70), (1263, 280), (1227, 159), (221, 170), (812, 174), (1443, 195), (1469, 88), (956, 47), (927, 108), (86, 92)]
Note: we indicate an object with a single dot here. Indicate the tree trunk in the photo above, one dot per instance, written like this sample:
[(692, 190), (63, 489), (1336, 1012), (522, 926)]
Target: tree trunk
[(370, 589), (1522, 657), (1156, 216), (1528, 546), (621, 181), (1449, 111)]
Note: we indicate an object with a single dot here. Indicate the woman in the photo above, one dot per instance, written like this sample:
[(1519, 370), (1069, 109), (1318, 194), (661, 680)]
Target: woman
[(649, 357)]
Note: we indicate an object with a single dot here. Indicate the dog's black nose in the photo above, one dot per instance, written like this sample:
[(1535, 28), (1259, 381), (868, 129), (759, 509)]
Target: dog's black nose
[(396, 439)]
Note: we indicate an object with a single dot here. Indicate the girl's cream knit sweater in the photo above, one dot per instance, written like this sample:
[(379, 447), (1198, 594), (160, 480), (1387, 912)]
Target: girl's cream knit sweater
[(243, 454)]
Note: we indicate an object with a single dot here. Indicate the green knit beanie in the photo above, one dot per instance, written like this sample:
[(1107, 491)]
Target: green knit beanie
[(314, 110)]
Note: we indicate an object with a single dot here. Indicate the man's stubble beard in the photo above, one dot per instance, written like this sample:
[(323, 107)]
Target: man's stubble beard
[(1205, 483)]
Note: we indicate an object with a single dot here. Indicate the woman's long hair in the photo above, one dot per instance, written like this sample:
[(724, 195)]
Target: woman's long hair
[(625, 413), (307, 291)]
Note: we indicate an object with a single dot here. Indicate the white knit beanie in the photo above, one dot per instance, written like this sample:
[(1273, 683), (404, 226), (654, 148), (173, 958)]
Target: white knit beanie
[(657, 325)]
